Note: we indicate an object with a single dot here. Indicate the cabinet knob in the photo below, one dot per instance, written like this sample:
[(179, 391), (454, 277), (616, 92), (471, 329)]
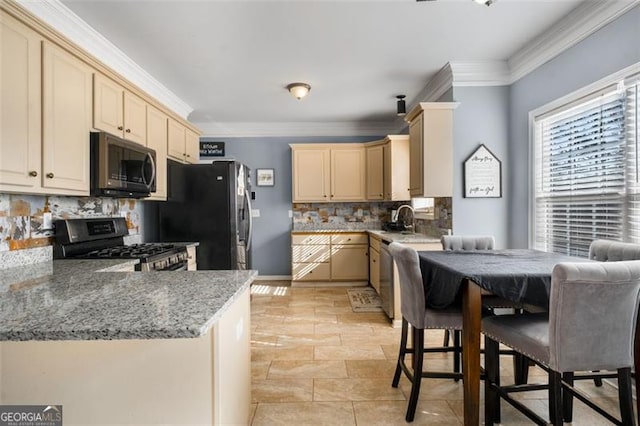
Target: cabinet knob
[(50, 175), (120, 127), (380, 194), (128, 130), (33, 173), (188, 156), (374, 261)]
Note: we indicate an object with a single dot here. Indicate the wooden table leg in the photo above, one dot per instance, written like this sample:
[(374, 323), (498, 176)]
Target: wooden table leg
[(471, 310)]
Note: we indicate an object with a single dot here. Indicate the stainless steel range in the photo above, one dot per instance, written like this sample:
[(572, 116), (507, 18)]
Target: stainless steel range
[(103, 238)]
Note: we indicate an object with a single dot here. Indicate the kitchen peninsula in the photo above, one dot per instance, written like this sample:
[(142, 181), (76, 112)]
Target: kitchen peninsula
[(126, 347)]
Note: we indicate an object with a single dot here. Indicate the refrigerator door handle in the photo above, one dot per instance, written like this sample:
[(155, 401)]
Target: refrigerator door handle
[(247, 196)]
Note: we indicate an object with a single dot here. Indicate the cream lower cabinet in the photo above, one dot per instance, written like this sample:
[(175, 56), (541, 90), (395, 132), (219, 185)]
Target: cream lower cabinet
[(326, 257), (310, 255), (192, 264)]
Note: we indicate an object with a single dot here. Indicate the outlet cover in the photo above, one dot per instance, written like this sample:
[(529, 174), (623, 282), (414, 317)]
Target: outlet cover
[(255, 212)]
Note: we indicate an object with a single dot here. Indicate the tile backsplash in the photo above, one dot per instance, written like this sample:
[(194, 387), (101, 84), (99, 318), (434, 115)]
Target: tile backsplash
[(365, 215), (21, 216)]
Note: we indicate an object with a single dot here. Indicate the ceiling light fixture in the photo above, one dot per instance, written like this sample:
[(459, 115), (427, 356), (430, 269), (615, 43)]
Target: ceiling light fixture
[(298, 90), (402, 106)]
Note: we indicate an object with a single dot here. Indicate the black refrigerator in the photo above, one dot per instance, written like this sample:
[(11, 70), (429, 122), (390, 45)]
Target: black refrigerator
[(210, 204)]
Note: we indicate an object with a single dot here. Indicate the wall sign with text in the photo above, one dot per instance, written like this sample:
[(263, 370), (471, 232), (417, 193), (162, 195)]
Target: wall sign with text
[(482, 174), (211, 149)]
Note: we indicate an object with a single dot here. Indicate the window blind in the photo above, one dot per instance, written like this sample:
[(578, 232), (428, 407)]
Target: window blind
[(585, 164)]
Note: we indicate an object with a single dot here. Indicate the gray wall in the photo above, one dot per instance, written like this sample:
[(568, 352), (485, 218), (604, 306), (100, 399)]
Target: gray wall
[(271, 238), (605, 52), (481, 117)]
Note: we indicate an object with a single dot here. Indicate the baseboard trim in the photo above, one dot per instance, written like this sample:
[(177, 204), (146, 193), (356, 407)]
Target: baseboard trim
[(329, 284), (273, 278)]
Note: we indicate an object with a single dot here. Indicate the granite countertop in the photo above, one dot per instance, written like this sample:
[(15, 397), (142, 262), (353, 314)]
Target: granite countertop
[(86, 300), (398, 237)]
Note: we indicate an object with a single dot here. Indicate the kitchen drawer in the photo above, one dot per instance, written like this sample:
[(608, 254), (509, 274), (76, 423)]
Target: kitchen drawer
[(314, 239), (311, 272), (374, 242), (310, 253), (350, 238)]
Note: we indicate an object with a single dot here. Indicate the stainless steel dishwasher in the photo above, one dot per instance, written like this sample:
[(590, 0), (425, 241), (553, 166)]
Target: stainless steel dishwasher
[(386, 278)]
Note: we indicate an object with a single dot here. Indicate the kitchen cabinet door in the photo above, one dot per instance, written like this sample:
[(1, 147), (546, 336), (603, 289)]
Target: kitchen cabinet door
[(431, 149), (375, 172), (348, 178), (311, 175), (20, 106), (374, 269), (350, 262), (157, 139), (192, 147), (67, 116), (396, 172), (176, 141), (107, 105), (118, 111), (135, 118)]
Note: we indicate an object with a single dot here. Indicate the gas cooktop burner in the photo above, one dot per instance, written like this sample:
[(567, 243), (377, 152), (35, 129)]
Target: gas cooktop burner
[(102, 238)]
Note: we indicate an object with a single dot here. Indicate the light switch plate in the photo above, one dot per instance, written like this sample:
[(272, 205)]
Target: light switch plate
[(255, 212), (290, 213)]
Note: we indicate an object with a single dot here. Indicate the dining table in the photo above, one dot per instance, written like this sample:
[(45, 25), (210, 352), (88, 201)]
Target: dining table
[(462, 278)]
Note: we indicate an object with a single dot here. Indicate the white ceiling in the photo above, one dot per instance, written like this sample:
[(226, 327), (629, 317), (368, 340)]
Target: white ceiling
[(230, 60)]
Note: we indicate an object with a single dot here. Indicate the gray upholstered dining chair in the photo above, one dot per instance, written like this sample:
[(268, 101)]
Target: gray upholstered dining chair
[(581, 332), (415, 313)]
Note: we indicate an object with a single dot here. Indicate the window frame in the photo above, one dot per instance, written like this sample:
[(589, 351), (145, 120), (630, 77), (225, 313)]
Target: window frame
[(585, 94)]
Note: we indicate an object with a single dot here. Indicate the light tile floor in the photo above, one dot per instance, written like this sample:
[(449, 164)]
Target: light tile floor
[(315, 362)]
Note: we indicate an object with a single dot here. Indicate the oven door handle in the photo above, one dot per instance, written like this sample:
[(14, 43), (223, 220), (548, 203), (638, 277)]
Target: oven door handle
[(149, 184)]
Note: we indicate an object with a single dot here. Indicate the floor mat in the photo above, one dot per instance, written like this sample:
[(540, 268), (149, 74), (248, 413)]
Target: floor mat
[(364, 300)]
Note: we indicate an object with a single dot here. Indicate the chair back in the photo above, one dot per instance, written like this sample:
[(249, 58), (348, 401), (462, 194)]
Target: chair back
[(412, 296), (467, 242), (592, 315), (613, 251)]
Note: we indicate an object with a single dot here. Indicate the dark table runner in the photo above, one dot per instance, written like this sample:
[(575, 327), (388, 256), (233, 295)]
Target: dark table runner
[(518, 275)]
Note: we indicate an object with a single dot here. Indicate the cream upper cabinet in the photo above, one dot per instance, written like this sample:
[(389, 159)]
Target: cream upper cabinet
[(192, 146), (157, 139), (20, 106), (375, 172), (118, 111), (67, 114), (311, 174), (348, 178), (184, 144), (328, 172), (431, 149), (396, 168)]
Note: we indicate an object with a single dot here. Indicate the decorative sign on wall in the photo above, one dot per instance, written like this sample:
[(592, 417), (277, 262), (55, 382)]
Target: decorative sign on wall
[(211, 149), (482, 174)]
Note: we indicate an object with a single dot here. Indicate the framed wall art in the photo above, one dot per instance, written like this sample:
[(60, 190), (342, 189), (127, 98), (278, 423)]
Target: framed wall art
[(265, 177), (482, 174)]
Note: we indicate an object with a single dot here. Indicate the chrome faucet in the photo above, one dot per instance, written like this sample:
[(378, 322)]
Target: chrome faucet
[(413, 217)]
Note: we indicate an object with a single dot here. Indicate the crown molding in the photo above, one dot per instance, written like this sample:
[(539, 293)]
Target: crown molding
[(479, 73), (296, 129), (583, 21), (63, 20)]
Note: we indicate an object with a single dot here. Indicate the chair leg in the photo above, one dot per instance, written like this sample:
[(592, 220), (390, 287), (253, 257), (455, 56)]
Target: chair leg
[(567, 399), (418, 355), (401, 353), (492, 376), (625, 396), (597, 381), (555, 398), (445, 343), (456, 352)]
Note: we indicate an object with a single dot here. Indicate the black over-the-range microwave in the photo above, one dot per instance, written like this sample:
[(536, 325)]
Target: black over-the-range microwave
[(120, 168)]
